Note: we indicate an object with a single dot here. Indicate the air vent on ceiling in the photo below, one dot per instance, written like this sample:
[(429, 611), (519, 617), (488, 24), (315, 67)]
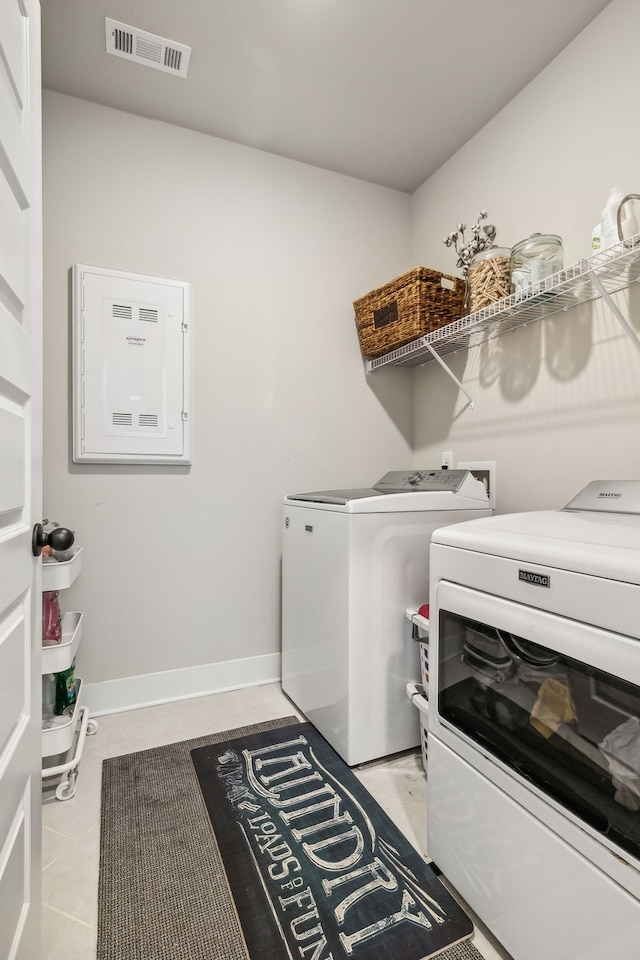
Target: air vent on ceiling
[(146, 48)]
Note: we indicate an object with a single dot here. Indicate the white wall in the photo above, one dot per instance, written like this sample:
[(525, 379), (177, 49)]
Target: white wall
[(556, 404), (182, 565)]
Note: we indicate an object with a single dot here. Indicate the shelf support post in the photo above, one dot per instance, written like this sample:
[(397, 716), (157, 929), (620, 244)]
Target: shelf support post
[(449, 373), (595, 280)]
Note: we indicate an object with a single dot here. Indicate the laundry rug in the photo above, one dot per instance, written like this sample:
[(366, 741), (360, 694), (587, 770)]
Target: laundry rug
[(316, 868), (168, 890)]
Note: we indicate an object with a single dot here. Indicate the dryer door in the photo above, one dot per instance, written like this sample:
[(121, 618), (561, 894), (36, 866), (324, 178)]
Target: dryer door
[(553, 701)]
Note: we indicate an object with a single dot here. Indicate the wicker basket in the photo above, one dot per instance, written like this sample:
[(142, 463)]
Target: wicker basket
[(407, 308)]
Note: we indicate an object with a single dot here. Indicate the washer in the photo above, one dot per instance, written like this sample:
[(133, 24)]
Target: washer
[(353, 561)]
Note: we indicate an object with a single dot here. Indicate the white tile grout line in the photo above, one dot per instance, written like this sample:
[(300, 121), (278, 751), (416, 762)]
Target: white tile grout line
[(69, 916)]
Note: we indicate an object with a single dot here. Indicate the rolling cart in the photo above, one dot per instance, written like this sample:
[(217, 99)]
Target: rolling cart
[(63, 736)]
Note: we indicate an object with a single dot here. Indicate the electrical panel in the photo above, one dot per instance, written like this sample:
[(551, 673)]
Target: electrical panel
[(131, 368)]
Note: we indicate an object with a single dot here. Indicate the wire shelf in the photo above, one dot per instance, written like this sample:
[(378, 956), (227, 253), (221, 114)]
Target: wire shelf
[(614, 269)]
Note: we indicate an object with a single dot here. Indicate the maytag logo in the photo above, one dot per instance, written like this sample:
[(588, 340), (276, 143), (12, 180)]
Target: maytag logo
[(609, 496), (538, 579)]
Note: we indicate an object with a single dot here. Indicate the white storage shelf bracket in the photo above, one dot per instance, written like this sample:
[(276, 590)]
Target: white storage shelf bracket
[(450, 374), (615, 310)]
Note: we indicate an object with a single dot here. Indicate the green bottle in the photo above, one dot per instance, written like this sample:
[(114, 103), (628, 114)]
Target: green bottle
[(66, 690)]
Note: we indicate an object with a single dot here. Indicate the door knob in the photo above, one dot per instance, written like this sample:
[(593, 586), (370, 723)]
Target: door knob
[(38, 539), (60, 538)]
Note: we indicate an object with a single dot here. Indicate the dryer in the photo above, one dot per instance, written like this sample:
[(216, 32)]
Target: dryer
[(534, 723), (353, 561)]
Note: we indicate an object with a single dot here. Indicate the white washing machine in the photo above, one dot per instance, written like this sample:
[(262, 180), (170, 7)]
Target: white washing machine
[(353, 561)]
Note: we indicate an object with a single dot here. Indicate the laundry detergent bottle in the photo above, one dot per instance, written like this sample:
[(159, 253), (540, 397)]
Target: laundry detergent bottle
[(609, 219), (629, 224), (618, 203)]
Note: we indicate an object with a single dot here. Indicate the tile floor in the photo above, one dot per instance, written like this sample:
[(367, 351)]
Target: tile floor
[(71, 827)]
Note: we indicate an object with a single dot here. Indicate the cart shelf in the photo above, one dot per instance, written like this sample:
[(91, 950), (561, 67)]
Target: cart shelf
[(60, 574), (57, 733), (59, 656)]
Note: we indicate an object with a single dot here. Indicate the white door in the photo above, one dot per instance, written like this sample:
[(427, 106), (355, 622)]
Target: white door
[(20, 478)]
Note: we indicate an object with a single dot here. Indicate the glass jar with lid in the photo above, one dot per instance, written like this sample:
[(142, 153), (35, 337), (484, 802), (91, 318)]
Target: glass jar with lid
[(489, 277), (535, 259)]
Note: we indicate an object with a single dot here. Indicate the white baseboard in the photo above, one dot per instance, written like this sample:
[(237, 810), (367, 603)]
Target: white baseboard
[(132, 693)]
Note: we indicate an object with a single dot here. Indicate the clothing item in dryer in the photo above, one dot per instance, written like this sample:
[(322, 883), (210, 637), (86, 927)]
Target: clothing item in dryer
[(621, 748), (553, 707)]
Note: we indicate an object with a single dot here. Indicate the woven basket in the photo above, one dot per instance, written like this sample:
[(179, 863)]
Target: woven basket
[(407, 308)]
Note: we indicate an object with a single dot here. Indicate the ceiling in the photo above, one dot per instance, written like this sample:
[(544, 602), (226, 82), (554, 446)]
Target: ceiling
[(382, 90)]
